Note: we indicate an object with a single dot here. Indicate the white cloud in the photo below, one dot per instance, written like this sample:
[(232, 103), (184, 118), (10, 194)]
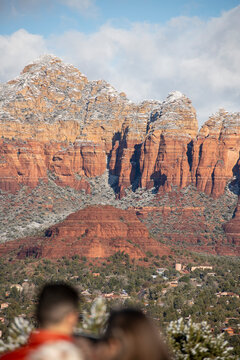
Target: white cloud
[(198, 58), (17, 50)]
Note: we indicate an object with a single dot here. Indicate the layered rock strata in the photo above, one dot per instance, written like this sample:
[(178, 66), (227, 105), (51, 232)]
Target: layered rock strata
[(215, 153), (164, 154), (56, 123), (92, 232), (51, 100), (152, 144), (28, 162)]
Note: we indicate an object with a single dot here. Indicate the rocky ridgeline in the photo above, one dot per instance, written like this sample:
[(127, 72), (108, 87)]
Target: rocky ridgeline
[(54, 101), (82, 143)]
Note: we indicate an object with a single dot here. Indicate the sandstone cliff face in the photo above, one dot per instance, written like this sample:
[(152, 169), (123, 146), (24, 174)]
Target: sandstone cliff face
[(216, 153), (51, 101), (152, 144), (125, 154), (164, 154), (92, 232), (27, 163), (54, 101), (21, 164), (56, 124)]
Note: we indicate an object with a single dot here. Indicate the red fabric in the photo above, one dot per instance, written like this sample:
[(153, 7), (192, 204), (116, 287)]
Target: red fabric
[(36, 339)]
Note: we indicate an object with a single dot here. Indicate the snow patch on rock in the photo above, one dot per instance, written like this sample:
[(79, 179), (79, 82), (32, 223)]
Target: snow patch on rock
[(174, 96)]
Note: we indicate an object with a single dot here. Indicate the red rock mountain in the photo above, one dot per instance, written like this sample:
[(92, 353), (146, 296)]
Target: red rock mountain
[(79, 142), (216, 153), (92, 232), (28, 162)]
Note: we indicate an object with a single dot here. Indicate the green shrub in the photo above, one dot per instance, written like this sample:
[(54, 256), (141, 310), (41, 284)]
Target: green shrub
[(195, 341)]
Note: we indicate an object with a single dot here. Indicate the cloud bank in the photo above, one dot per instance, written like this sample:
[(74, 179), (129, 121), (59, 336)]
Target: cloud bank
[(199, 58), (17, 50)]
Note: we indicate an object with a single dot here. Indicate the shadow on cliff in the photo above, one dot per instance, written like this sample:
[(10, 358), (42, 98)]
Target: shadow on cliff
[(114, 173), (234, 186), (159, 179), (189, 154), (113, 176), (135, 174)]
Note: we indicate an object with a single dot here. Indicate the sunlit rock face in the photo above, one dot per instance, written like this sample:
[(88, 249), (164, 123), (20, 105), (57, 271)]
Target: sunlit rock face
[(164, 160), (28, 163), (216, 153), (64, 136), (151, 144), (51, 100), (95, 232)]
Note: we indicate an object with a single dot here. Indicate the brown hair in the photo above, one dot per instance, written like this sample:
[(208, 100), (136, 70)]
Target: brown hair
[(139, 338), (55, 301)]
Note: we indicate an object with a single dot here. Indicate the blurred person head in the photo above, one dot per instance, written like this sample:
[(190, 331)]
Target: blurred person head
[(130, 335), (61, 350), (57, 308)]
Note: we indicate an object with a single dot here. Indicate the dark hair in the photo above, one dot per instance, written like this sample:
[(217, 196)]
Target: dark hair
[(55, 301), (139, 337)]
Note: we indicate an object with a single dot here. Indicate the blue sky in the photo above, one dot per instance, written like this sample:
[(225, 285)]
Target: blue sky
[(145, 48), (48, 17)]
